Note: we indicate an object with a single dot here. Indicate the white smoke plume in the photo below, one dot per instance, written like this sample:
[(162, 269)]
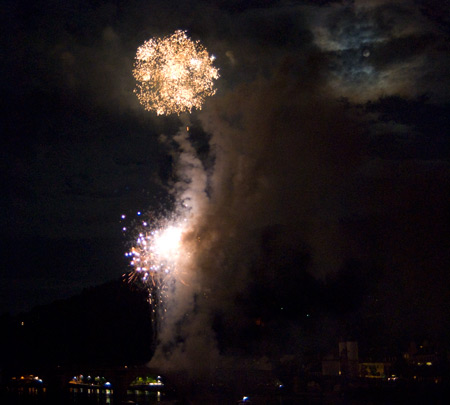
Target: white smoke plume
[(281, 148)]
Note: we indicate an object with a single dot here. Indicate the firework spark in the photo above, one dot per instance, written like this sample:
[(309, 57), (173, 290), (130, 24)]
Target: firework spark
[(174, 74), (154, 258)]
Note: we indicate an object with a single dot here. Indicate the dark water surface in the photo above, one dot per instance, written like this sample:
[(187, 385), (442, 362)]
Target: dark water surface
[(153, 398)]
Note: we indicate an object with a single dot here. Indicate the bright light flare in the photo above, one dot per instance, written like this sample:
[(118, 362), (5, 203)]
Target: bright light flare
[(167, 242), (157, 250), (174, 74)]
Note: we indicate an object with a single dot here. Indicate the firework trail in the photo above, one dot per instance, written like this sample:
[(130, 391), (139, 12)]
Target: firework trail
[(174, 74)]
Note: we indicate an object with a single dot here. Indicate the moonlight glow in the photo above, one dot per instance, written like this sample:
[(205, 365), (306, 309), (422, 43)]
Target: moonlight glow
[(174, 74)]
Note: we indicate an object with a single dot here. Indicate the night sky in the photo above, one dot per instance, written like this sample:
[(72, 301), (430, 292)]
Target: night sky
[(325, 147)]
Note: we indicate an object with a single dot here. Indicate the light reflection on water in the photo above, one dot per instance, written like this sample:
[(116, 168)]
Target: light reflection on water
[(30, 396), (79, 396), (102, 396)]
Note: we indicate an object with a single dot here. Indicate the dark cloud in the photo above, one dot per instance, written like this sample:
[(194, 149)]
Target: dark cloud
[(409, 128), (382, 48)]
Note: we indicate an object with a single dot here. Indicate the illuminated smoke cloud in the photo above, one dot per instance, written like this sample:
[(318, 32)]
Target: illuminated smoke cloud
[(278, 148), (174, 74)]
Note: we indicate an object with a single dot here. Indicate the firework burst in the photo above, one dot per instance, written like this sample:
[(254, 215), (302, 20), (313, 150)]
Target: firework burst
[(154, 259), (174, 74)]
